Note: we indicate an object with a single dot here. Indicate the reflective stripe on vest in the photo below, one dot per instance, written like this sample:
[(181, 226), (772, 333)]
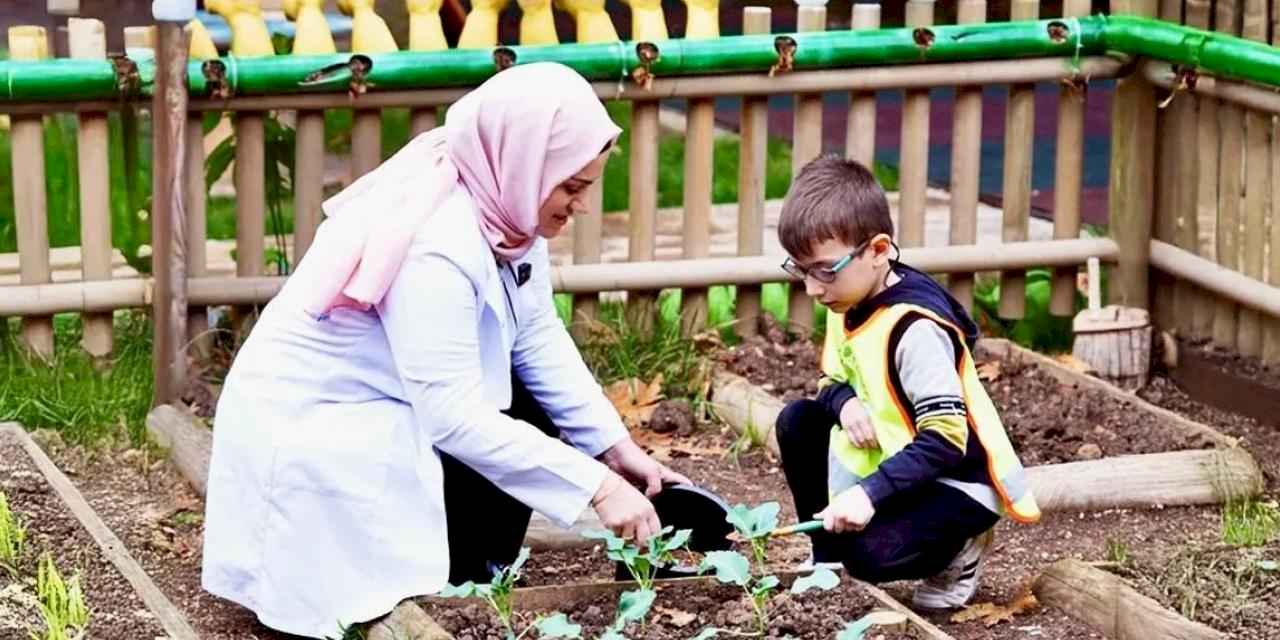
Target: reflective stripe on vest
[(863, 360)]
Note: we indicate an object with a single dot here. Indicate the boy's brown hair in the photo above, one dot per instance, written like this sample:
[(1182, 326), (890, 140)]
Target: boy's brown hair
[(832, 198)]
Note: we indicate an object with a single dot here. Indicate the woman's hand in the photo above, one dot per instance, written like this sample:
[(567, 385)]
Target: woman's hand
[(625, 511), (631, 462), (857, 425)]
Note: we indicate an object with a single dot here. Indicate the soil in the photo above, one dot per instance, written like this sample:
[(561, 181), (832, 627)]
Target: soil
[(681, 611), (116, 610), (786, 367), (1243, 366)]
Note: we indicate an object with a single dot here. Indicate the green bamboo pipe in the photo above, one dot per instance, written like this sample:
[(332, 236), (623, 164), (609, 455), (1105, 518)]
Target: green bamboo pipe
[(1218, 54)]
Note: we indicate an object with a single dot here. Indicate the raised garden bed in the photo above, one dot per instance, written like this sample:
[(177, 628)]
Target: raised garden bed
[(111, 597)]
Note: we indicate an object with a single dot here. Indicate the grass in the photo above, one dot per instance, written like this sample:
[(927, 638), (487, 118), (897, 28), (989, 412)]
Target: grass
[(71, 396), (1250, 523)]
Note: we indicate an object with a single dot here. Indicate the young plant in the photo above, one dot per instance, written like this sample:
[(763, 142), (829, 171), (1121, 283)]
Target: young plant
[(643, 565), (755, 526), (498, 594), (62, 605), (732, 567), (12, 537)]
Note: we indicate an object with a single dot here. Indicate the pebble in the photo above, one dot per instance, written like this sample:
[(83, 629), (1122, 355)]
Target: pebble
[(1088, 451)]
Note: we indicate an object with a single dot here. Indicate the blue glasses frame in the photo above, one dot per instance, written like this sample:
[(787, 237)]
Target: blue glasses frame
[(826, 275)]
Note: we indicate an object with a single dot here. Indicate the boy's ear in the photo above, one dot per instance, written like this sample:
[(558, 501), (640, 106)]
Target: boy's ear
[(880, 245)]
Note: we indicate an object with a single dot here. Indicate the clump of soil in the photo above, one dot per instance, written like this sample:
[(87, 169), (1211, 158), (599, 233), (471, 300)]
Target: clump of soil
[(1235, 590), (681, 611), (116, 610), (673, 416), (786, 367)]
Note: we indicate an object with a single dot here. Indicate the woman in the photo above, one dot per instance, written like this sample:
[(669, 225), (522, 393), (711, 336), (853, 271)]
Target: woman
[(385, 426)]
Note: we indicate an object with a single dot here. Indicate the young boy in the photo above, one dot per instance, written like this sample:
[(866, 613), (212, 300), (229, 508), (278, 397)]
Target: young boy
[(902, 454)]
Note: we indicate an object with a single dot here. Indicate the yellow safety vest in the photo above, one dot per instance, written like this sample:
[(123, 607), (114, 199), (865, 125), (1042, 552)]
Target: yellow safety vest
[(864, 361)]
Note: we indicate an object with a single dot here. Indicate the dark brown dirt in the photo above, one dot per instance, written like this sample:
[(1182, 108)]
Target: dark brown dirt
[(116, 610), (1243, 366), (785, 367), (681, 611), (673, 416)]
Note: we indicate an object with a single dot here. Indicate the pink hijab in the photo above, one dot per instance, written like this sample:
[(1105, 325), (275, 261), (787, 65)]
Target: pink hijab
[(509, 143)]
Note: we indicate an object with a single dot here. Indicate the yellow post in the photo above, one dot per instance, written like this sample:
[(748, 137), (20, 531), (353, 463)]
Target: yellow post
[(593, 21), (312, 35), (369, 33), (537, 23), (249, 35), (202, 47), (481, 27), (648, 24), (426, 33), (703, 20)]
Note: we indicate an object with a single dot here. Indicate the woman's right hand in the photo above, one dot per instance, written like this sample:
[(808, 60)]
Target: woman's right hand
[(625, 511)]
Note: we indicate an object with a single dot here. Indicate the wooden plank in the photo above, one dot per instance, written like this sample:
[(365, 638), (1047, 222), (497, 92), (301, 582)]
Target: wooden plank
[(1107, 603), (642, 306), (168, 213), (422, 120), (699, 139), (1205, 381), (1168, 145), (189, 443), (1132, 177), (366, 141), (1019, 137), (1202, 224), (807, 145), (913, 179), (1230, 186), (196, 228), (308, 183), (966, 163), (1271, 328), (752, 152), (29, 198), (87, 39), (171, 619), (1257, 191), (587, 242), (929, 629)]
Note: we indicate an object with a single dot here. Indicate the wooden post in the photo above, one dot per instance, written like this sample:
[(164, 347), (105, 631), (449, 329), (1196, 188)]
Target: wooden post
[(1271, 326), (1019, 138), (586, 250), (1067, 175), (422, 120), (913, 179), (643, 205), (308, 182), (699, 144), (168, 235), (1204, 220), (1230, 168), (198, 336), (806, 145), (87, 39), (1257, 190), (1166, 200), (753, 150), (366, 142), (29, 197), (251, 199), (1132, 176), (966, 162)]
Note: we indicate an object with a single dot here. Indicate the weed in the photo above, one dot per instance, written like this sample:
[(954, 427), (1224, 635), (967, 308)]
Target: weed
[(616, 350), (12, 536), (1250, 523), (1117, 551), (62, 605)]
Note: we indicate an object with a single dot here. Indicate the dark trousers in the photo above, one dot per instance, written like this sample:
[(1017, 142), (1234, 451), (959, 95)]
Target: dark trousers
[(914, 534), (486, 525)]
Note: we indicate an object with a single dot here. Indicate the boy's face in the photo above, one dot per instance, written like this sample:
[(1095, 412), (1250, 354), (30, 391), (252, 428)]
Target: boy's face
[(854, 280)]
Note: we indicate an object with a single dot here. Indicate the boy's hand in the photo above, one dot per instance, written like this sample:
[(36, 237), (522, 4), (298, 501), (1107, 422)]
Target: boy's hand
[(857, 425), (850, 511)]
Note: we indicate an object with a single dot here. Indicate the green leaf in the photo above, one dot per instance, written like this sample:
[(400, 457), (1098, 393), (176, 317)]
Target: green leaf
[(612, 542), (821, 578), (755, 522), (520, 559), (559, 626), (706, 634), (464, 590), (854, 630), (730, 566), (678, 540), (633, 606), (765, 585), (1268, 565), (610, 634), (218, 161)]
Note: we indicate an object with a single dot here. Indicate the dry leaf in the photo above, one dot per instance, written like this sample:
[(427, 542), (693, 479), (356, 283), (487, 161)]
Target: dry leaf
[(992, 614), (678, 618), (989, 371), (1073, 363), (635, 400)]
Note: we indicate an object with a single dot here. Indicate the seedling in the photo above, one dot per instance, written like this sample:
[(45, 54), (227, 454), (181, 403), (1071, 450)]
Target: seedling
[(62, 605), (755, 526), (498, 594), (732, 567), (642, 565), (12, 537)]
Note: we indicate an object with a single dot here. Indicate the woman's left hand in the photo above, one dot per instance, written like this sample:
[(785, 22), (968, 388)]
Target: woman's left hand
[(631, 462)]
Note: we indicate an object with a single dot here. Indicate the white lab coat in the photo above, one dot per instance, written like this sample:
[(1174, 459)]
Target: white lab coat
[(325, 499)]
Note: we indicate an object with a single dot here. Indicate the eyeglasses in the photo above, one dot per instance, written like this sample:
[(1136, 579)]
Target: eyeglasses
[(825, 275)]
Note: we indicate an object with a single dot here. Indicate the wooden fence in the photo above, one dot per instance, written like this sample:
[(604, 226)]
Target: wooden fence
[(1193, 180)]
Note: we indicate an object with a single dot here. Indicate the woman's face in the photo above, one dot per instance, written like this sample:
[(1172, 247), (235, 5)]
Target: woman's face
[(569, 198)]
